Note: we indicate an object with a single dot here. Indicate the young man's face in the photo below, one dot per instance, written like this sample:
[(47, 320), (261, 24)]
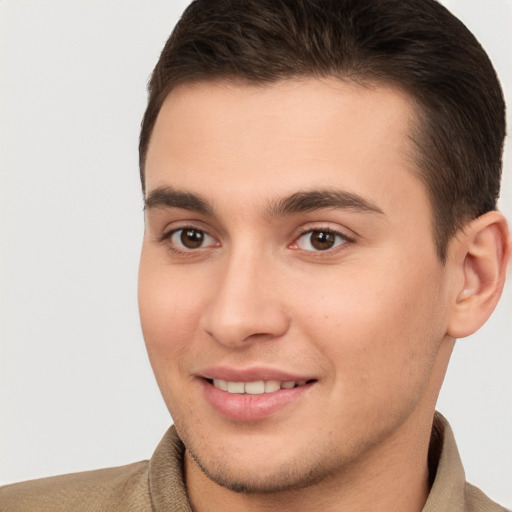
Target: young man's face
[(288, 243)]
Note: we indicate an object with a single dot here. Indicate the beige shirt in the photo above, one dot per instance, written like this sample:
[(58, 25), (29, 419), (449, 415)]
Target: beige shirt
[(157, 485)]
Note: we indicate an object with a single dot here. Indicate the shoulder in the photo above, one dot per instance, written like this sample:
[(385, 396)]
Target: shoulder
[(477, 501), (123, 488), (450, 492)]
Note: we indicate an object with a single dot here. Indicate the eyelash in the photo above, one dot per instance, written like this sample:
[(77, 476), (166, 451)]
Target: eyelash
[(172, 246), (166, 238), (325, 230)]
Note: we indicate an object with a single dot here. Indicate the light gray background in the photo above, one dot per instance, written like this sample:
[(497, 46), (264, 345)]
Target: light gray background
[(76, 390)]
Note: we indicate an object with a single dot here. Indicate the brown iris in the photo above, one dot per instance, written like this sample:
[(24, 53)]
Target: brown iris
[(322, 240), (191, 238)]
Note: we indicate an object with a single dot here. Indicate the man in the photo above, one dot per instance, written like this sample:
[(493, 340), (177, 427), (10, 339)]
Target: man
[(320, 183)]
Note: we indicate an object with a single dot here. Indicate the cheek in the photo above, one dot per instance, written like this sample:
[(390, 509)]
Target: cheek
[(169, 311), (379, 331)]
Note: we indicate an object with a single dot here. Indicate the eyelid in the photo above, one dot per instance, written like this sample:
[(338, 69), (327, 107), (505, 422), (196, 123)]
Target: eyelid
[(164, 231), (166, 238), (348, 238)]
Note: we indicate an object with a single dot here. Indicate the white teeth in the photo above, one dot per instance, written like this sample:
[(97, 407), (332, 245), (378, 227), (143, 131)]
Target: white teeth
[(221, 384), (272, 385), (257, 387), (236, 387)]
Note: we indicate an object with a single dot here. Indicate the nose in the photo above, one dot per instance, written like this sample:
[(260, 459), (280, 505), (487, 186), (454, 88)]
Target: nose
[(245, 303)]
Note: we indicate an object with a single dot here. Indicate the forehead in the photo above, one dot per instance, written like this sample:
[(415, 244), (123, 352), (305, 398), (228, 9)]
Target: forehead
[(255, 141)]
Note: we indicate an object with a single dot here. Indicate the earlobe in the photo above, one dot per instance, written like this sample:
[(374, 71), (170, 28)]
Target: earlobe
[(484, 249)]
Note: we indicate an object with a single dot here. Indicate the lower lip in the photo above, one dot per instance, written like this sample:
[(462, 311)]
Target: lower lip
[(245, 407)]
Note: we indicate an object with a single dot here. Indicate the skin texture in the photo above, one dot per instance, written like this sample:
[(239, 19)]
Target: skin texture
[(369, 320)]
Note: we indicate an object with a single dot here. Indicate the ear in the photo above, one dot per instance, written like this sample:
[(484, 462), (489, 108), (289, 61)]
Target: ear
[(480, 257)]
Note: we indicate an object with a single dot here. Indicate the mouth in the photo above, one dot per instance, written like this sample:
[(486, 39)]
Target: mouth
[(257, 387), (251, 400)]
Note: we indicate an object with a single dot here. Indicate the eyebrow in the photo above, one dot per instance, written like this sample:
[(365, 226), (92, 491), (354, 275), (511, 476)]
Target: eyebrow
[(299, 202), (168, 197), (312, 200)]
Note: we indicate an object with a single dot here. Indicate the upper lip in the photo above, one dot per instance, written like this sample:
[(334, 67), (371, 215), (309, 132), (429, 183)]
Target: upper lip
[(250, 374)]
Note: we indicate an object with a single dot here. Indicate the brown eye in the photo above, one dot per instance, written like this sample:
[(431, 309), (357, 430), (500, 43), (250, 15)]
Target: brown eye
[(191, 238), (320, 240)]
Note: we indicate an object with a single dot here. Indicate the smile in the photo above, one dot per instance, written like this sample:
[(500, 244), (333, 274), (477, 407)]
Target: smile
[(257, 387), (253, 400)]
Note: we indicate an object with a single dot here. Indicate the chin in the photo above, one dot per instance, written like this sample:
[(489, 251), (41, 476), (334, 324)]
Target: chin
[(260, 464), (257, 478)]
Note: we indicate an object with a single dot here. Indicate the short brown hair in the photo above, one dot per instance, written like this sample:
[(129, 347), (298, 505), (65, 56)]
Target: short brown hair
[(417, 45)]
